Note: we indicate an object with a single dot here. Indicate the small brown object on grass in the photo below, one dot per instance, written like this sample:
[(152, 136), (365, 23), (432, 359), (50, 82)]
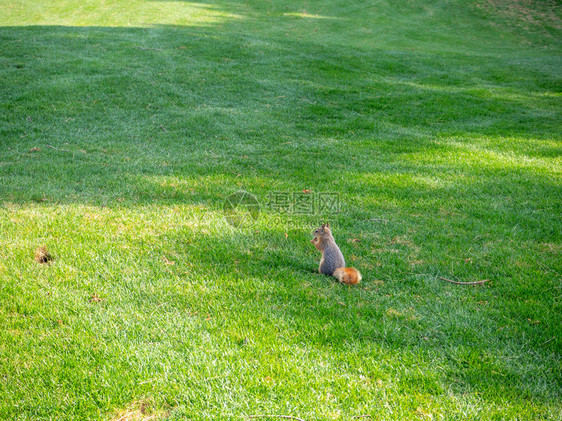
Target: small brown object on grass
[(143, 410), (95, 298), (168, 262), (42, 255)]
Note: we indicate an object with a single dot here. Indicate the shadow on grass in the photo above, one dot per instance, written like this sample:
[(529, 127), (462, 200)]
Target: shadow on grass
[(108, 107)]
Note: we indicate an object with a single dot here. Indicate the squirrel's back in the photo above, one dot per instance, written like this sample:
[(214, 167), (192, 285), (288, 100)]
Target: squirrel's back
[(332, 259), (333, 262)]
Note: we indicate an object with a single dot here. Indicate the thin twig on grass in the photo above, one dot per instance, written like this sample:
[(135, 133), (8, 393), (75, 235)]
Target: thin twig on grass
[(554, 337), (289, 417), (386, 221), (147, 48), (463, 283), (59, 149)]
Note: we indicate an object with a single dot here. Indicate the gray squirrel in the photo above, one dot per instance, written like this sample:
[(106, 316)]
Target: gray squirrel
[(332, 262)]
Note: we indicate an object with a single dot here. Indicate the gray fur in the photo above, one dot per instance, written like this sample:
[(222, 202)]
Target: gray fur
[(333, 259)]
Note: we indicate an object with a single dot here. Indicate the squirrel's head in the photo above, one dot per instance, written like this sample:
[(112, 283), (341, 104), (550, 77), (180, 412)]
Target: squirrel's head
[(321, 234), (322, 230)]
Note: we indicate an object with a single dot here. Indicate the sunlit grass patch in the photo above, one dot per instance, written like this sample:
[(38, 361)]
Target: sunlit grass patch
[(138, 13)]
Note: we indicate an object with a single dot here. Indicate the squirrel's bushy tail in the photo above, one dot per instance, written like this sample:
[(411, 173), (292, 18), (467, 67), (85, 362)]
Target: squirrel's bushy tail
[(349, 276)]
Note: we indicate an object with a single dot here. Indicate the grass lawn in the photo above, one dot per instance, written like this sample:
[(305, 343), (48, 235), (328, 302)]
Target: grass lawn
[(428, 133)]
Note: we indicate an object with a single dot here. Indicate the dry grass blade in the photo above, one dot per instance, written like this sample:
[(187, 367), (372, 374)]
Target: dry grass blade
[(464, 283)]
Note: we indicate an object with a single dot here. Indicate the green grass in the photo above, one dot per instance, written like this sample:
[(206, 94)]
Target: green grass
[(124, 126)]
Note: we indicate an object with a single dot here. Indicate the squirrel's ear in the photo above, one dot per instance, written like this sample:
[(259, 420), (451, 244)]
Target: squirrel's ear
[(327, 225), (323, 225)]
